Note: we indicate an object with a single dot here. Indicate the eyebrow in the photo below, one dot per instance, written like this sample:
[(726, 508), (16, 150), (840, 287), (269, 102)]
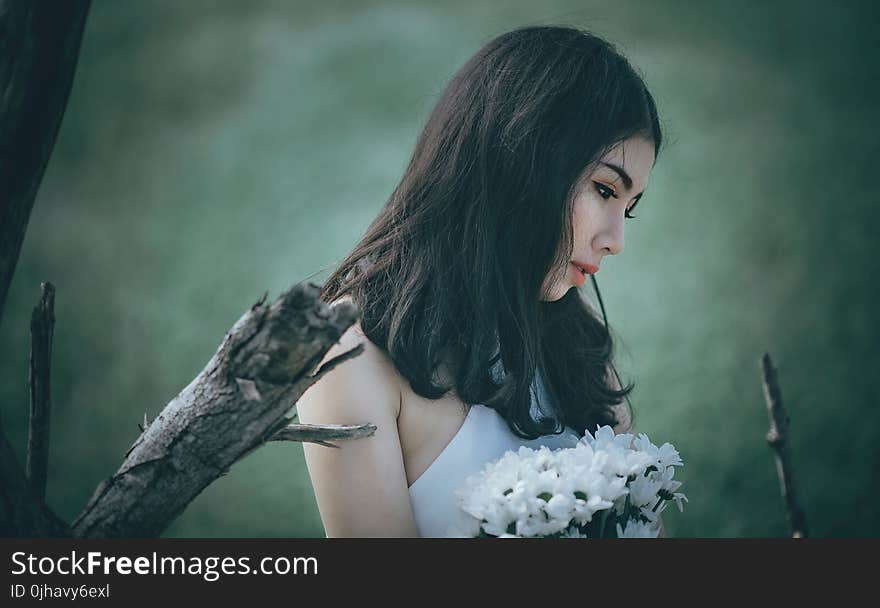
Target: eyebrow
[(627, 180)]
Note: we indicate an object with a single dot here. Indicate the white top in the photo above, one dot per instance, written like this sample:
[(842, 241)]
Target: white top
[(483, 437)]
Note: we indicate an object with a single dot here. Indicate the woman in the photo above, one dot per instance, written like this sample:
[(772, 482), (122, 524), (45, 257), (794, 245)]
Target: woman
[(476, 336)]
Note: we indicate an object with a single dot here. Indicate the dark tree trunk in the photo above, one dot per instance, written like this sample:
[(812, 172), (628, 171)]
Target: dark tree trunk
[(39, 47)]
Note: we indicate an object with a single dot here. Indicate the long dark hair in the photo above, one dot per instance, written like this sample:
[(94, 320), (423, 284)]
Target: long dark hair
[(451, 272)]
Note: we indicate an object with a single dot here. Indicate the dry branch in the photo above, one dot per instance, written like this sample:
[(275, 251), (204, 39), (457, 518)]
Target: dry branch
[(236, 404), (777, 437), (323, 433), (42, 324)]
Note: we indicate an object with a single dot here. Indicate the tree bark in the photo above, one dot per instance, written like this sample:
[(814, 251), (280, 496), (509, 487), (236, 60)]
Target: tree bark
[(237, 403), (39, 47)]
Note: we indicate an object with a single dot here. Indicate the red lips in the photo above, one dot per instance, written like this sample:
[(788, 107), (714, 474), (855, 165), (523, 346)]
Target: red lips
[(589, 268)]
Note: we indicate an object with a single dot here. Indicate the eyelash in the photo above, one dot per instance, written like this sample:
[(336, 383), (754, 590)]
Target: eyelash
[(606, 192)]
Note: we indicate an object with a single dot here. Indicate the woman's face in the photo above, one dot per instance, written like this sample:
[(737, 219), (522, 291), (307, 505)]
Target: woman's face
[(603, 198)]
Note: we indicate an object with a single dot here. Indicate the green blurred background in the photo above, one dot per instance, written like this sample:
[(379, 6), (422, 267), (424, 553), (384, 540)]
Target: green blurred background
[(212, 151)]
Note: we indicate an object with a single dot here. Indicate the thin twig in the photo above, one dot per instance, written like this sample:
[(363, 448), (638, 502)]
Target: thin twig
[(323, 433), (777, 437), (42, 326)]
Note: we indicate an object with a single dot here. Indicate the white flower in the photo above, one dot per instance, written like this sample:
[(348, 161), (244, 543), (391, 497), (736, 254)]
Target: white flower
[(620, 458), (606, 439), (678, 497), (643, 491), (561, 506), (664, 456), (638, 529), (543, 492), (651, 514)]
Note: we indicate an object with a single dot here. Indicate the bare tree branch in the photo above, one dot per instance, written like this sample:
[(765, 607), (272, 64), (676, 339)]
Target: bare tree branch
[(237, 403), (777, 437), (323, 433), (42, 324), (39, 47)]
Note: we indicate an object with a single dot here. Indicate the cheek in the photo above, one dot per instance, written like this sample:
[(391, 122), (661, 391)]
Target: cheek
[(580, 221)]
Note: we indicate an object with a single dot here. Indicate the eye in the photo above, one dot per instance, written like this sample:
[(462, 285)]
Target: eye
[(604, 191)]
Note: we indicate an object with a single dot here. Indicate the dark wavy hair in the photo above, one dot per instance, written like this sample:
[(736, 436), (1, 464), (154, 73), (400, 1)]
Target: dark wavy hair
[(450, 274)]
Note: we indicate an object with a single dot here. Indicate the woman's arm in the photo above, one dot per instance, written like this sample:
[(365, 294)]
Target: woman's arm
[(361, 487)]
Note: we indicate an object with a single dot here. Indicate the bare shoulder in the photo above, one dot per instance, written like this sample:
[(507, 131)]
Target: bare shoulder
[(364, 382), (361, 487)]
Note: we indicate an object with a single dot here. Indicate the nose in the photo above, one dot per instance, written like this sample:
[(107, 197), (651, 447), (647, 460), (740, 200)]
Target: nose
[(610, 240)]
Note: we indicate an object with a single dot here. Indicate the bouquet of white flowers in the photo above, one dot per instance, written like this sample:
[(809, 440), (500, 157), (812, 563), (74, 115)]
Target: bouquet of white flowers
[(604, 486)]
